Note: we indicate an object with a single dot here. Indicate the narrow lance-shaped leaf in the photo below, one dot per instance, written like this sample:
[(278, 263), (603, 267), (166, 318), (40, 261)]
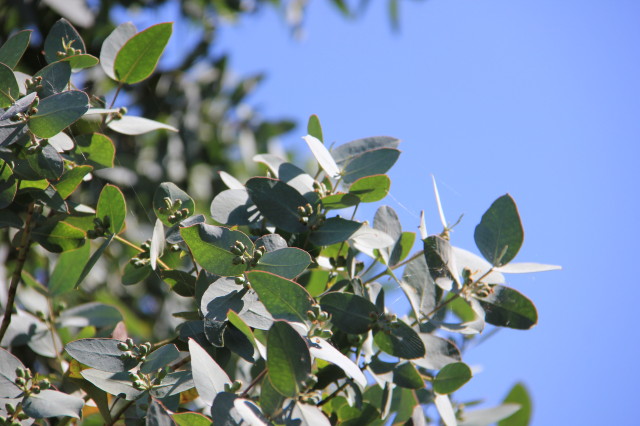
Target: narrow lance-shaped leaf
[(157, 244), (323, 156), (499, 235), (208, 377)]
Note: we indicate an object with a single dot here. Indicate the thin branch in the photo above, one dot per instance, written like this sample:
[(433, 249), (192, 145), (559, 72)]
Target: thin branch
[(253, 383), (334, 394), (17, 272)]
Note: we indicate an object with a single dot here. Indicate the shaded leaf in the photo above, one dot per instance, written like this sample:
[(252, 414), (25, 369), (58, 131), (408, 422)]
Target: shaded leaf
[(278, 202), (157, 415), (13, 49), (8, 184), (210, 378), (138, 57), (173, 384), (339, 200), (346, 152), (61, 33), (506, 307), (223, 410), (349, 313), (283, 298), (177, 198), (234, 207), (439, 352), (114, 383), (405, 375), (441, 262), (51, 403), (250, 412), (93, 259), (334, 230), (71, 179), (288, 359), (102, 354), (112, 204), (160, 358), (419, 287), (56, 236), (57, 112), (9, 90), (55, 78), (499, 235), (8, 365), (401, 341)]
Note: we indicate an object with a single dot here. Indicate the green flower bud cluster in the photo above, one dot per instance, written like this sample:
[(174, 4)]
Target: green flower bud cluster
[(25, 380), (233, 387), (22, 117), (471, 288), (310, 217), (100, 227), (243, 257), (132, 351), (121, 112), (174, 210), (68, 50), (33, 84), (142, 258), (242, 280), (318, 318), (385, 323), (147, 381), (320, 188)]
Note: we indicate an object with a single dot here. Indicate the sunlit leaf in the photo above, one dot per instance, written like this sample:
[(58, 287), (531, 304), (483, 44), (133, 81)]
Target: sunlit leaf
[(138, 57), (288, 359), (451, 377)]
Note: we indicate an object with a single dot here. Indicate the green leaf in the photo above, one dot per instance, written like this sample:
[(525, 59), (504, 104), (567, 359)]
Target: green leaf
[(138, 57), (134, 274), (133, 126), (9, 90), (56, 236), (55, 78), (51, 403), (405, 375), (94, 314), (223, 410), (286, 262), (61, 32), (8, 184), (180, 282), (96, 150), (323, 157), (314, 128), (451, 378), (370, 189), (21, 105), (439, 256), (112, 204), (506, 307), (80, 62), (102, 354), (210, 247), (160, 358), (191, 419), (71, 179), (488, 416), (68, 269), (348, 151), (278, 202), (210, 378), (369, 163), (334, 230), (288, 359), (518, 395), (177, 198), (9, 219), (339, 200), (112, 45), (499, 235), (8, 365), (283, 298), (93, 259), (402, 341), (13, 49), (349, 313), (270, 400), (44, 164), (113, 383), (234, 207), (57, 112)]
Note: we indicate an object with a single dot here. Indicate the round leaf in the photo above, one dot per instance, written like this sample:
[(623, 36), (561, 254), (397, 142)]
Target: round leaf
[(286, 262), (284, 299), (288, 359), (506, 307), (94, 149), (278, 202), (369, 163), (57, 112), (451, 378), (499, 235), (370, 189)]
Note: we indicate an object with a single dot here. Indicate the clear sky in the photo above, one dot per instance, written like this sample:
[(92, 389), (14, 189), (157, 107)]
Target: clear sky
[(540, 99)]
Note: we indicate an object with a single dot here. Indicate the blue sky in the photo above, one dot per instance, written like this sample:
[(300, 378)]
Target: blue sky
[(538, 99)]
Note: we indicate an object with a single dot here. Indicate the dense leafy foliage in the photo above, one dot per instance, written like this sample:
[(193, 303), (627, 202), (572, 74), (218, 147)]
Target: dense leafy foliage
[(262, 305)]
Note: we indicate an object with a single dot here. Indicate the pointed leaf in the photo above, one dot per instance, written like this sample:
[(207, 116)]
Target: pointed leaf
[(288, 359), (102, 354), (518, 395), (130, 125), (402, 341), (525, 268), (8, 365), (314, 128), (320, 348), (488, 416), (230, 181), (349, 313), (51, 403), (157, 244), (506, 307), (61, 33), (13, 49), (138, 57), (443, 220), (57, 112), (209, 377), (323, 156), (499, 235), (111, 204), (451, 378), (112, 45), (9, 90), (406, 376), (283, 298)]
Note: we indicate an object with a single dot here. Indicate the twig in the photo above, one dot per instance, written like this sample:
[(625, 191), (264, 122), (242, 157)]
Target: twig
[(253, 383)]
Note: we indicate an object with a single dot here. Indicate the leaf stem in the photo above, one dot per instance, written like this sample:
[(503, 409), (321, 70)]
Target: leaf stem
[(334, 394), (253, 383), (17, 272), (135, 247), (120, 412), (398, 265)]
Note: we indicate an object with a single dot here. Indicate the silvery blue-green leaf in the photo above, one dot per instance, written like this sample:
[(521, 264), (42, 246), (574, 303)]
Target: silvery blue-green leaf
[(113, 383), (443, 220), (157, 244), (112, 44), (334, 230), (57, 112), (287, 262), (347, 151), (51, 403), (9, 89), (224, 411), (210, 378), (224, 295), (130, 125), (100, 353), (386, 220), (474, 326), (21, 105), (61, 33), (271, 242), (234, 207), (289, 173), (440, 352), (160, 358), (525, 268), (320, 348), (419, 287), (94, 313), (278, 202), (8, 365), (173, 234), (230, 181), (250, 412), (487, 416), (157, 415), (369, 163), (55, 78), (173, 384), (366, 239), (441, 262), (467, 260), (423, 227), (309, 415), (417, 416), (323, 156), (61, 142), (445, 409), (283, 298)]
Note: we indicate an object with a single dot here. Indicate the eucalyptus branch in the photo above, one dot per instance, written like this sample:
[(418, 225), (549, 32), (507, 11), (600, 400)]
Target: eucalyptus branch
[(254, 382), (398, 265), (120, 412), (139, 249), (23, 249), (334, 394)]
